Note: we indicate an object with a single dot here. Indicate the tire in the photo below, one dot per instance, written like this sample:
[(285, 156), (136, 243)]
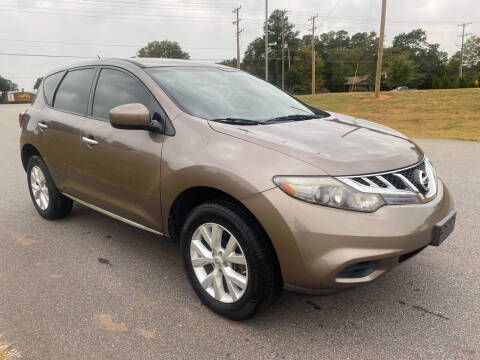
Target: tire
[(261, 270), (46, 198)]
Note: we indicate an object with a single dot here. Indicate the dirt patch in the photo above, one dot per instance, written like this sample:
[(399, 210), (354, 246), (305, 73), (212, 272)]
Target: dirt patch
[(145, 333), (381, 97), (107, 322), (21, 239), (7, 352)]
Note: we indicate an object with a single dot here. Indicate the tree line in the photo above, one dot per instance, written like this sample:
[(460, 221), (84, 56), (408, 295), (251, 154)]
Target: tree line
[(411, 60)]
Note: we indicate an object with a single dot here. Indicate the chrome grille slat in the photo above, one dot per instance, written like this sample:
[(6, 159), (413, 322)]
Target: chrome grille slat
[(402, 182), (370, 182), (385, 181), (407, 182)]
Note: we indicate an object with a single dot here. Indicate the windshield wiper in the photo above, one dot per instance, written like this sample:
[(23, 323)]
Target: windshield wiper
[(237, 121), (293, 118)]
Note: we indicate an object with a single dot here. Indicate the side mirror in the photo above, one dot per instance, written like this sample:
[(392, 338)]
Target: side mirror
[(133, 117)]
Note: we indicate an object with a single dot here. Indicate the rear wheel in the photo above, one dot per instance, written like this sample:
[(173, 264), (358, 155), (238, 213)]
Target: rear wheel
[(228, 261), (48, 201)]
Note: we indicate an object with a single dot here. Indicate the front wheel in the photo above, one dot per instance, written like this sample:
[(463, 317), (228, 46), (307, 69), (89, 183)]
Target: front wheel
[(228, 260)]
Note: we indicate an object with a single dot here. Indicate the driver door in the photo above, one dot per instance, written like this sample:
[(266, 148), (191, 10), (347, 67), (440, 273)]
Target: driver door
[(122, 167)]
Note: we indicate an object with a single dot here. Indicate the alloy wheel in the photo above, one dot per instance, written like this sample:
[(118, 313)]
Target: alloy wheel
[(39, 187), (219, 262)]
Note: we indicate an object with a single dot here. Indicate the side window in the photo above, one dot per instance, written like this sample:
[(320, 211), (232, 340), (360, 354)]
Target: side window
[(50, 84), (116, 88), (72, 94)]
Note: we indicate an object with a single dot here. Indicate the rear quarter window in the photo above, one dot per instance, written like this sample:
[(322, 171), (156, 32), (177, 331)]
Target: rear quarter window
[(50, 84)]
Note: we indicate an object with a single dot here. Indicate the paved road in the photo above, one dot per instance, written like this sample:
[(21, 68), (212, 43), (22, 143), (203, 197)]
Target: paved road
[(57, 301)]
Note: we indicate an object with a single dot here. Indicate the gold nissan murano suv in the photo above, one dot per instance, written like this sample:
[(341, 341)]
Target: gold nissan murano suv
[(262, 191)]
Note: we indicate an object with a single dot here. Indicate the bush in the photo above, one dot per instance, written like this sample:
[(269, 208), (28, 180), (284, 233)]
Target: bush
[(445, 82), (463, 82), (436, 83)]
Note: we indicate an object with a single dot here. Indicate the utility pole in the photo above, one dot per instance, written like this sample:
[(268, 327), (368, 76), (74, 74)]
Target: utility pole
[(266, 40), (283, 60), (312, 19), (237, 10), (460, 72), (283, 50), (288, 52), (378, 76)]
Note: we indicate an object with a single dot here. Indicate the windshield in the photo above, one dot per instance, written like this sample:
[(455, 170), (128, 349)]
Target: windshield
[(217, 93)]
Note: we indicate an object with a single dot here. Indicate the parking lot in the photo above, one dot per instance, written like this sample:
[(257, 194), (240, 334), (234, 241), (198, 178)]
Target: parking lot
[(89, 287)]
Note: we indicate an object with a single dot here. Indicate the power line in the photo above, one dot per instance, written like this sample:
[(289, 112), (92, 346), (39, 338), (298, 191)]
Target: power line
[(49, 56), (145, 17), (89, 57), (104, 44)]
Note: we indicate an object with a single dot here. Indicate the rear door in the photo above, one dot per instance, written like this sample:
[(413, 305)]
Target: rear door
[(61, 126), (122, 167)]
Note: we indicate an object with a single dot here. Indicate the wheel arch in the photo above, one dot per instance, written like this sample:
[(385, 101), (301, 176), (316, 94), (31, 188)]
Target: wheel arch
[(188, 199), (28, 150)]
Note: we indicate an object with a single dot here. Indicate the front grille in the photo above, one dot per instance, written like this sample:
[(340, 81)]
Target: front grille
[(416, 179), (358, 270)]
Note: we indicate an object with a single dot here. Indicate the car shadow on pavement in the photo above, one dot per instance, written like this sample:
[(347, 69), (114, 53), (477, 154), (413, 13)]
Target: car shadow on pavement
[(402, 303)]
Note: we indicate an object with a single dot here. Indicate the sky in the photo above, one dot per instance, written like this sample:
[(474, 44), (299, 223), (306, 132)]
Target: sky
[(118, 28)]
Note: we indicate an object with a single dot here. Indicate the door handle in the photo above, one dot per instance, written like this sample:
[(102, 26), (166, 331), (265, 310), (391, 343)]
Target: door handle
[(89, 141), (42, 125)]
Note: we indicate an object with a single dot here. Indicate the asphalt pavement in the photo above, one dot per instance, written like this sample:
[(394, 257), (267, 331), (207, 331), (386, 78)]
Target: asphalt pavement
[(90, 287)]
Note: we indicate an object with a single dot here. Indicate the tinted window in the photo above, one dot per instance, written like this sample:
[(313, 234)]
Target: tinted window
[(50, 84), (72, 94), (214, 93), (116, 88)]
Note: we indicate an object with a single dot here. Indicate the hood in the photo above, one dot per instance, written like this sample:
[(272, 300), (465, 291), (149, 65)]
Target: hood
[(338, 144)]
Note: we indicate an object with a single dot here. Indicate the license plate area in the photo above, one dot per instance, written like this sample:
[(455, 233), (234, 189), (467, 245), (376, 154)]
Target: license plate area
[(443, 229)]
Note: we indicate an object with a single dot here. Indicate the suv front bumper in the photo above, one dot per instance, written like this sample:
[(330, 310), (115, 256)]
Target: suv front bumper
[(315, 244)]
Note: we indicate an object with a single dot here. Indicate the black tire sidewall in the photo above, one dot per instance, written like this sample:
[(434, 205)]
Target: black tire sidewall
[(247, 304)]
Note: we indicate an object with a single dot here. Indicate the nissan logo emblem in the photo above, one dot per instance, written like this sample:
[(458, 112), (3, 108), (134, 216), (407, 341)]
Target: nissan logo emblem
[(421, 179)]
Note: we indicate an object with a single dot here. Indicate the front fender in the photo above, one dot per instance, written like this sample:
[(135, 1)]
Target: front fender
[(199, 156)]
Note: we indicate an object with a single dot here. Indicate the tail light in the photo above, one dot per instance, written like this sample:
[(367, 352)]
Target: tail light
[(21, 116)]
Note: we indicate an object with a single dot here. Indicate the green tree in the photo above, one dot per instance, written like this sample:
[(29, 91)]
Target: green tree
[(338, 65), (37, 83), (463, 82), (163, 49), (401, 71), (229, 62), (471, 57), (279, 24), (453, 65), (436, 83), (430, 60), (445, 82), (7, 85), (254, 57), (298, 79)]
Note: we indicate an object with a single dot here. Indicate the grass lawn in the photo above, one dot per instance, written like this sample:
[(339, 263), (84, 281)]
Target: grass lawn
[(440, 114)]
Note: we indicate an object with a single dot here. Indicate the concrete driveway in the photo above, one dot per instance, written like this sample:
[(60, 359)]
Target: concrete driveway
[(90, 287)]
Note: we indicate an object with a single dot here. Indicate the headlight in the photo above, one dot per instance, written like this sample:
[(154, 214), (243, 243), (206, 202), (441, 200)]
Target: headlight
[(328, 191)]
